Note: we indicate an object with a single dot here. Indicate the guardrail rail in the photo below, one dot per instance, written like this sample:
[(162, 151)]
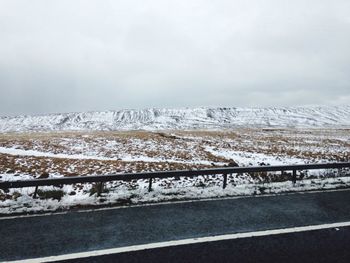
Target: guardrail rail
[(224, 171)]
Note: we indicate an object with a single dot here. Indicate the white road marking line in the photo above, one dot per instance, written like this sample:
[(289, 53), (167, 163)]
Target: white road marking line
[(184, 242), (173, 202)]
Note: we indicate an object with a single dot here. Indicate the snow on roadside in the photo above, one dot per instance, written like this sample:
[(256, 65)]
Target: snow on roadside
[(248, 158), (120, 193), (21, 176), (255, 159)]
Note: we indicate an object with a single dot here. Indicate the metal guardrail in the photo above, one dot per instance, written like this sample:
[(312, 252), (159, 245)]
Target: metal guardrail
[(168, 174)]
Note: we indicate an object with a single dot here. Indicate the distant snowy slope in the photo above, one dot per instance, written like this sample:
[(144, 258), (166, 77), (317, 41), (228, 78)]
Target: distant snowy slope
[(183, 118)]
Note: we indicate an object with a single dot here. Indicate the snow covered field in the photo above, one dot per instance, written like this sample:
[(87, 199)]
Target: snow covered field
[(56, 154)]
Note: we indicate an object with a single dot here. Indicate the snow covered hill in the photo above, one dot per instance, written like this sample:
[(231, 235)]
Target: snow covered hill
[(182, 118)]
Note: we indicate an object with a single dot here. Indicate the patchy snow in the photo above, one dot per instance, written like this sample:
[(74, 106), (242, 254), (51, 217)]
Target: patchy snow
[(15, 177), (248, 158), (27, 156), (125, 157)]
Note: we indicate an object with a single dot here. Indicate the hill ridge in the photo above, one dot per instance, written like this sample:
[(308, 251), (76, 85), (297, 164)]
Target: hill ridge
[(182, 118)]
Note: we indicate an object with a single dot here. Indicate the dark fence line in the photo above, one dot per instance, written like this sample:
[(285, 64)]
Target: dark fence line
[(168, 174)]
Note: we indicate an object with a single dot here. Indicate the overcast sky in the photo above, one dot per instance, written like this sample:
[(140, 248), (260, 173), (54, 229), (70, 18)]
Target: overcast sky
[(63, 56)]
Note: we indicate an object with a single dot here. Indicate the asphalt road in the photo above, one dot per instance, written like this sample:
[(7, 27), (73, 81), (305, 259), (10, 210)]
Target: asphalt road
[(42, 236), (330, 245)]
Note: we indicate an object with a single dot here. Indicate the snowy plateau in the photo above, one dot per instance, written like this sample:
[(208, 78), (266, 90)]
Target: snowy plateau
[(182, 119), (95, 143)]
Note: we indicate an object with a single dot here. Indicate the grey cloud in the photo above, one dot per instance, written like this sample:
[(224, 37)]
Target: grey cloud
[(96, 55)]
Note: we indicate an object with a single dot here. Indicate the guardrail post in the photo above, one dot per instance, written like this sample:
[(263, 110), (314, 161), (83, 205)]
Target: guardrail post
[(35, 192), (225, 181), (150, 185), (99, 188), (294, 176)]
